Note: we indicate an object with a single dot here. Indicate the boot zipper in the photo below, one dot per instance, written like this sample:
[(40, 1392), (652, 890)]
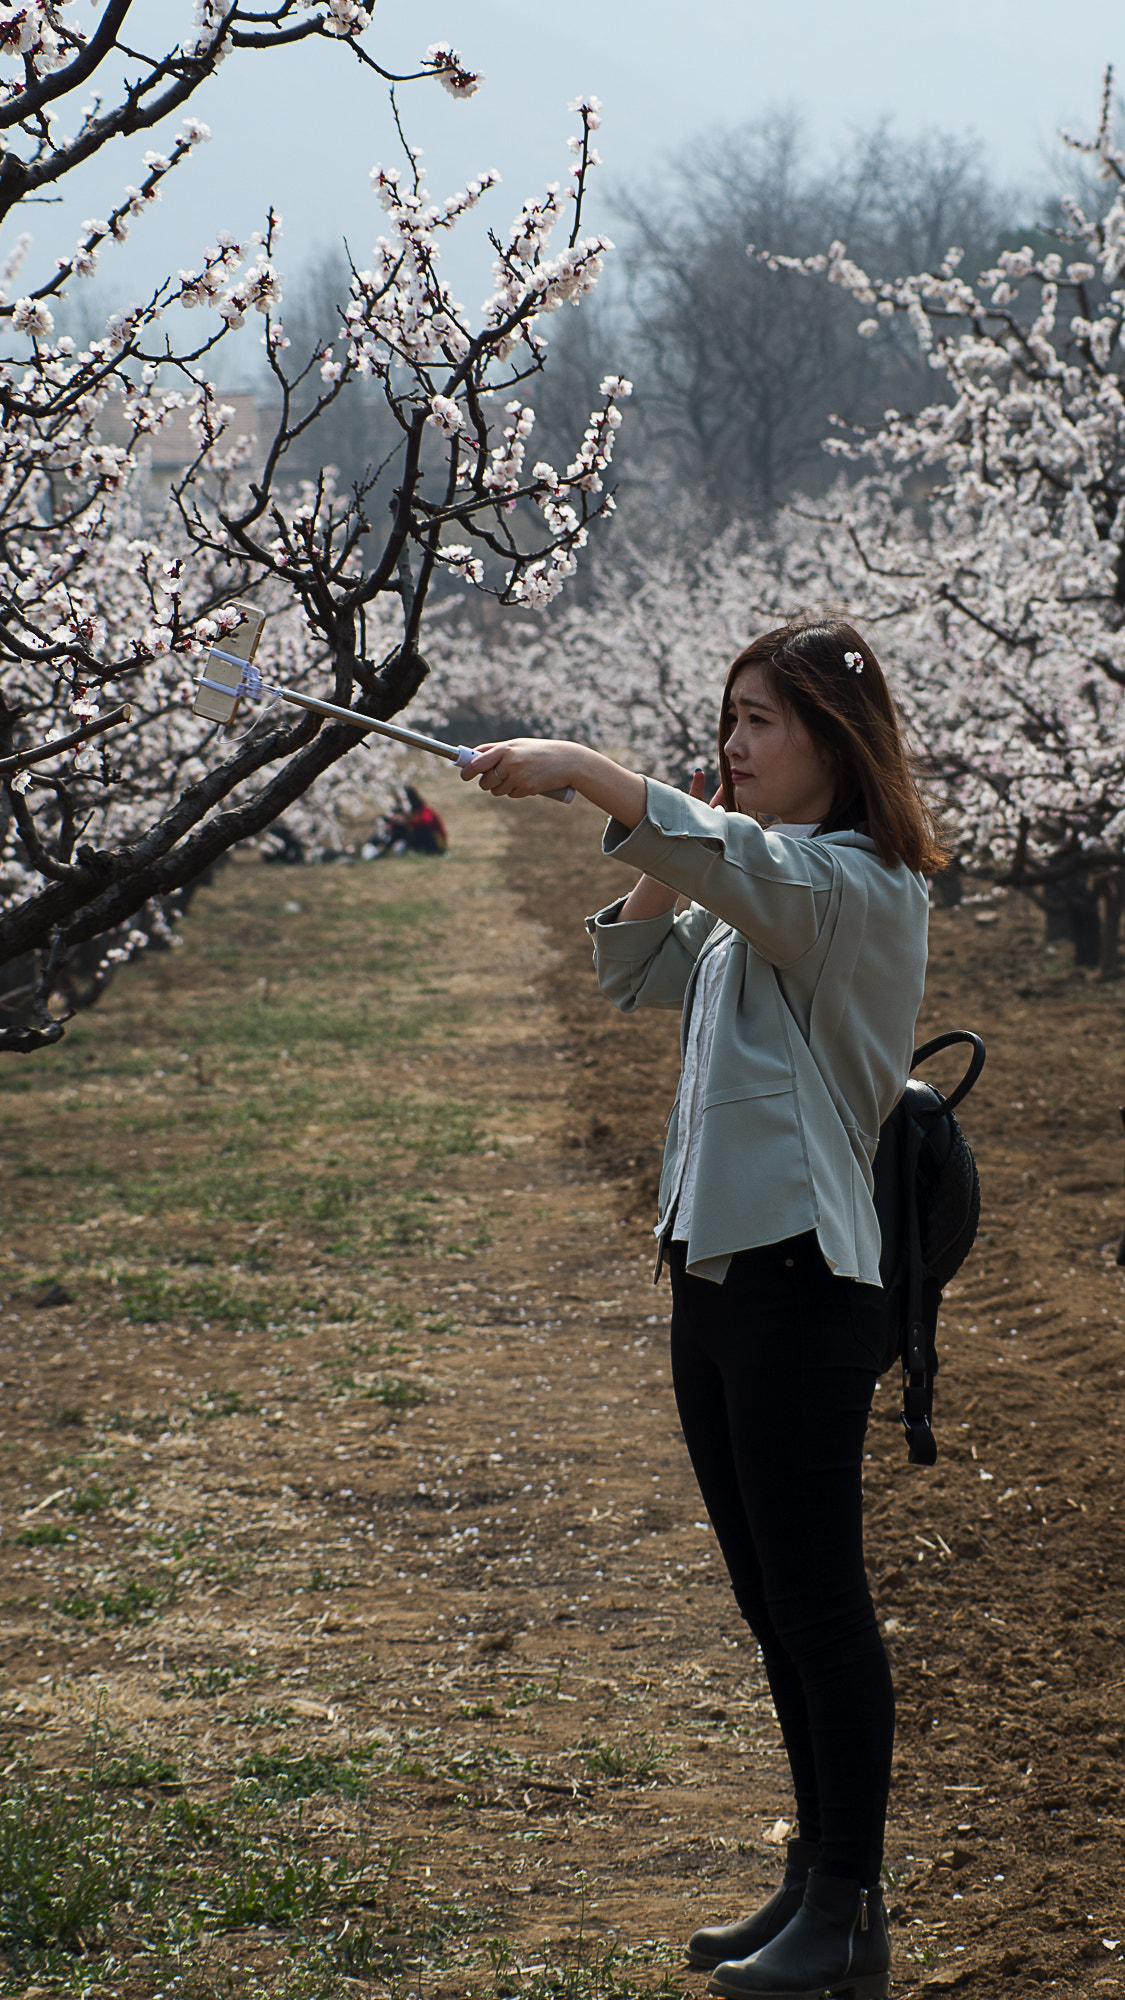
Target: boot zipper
[(860, 1923)]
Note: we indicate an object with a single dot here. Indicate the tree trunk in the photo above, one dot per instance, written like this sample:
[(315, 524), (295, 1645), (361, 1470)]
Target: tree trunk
[(1071, 909), (948, 888), (1109, 962)]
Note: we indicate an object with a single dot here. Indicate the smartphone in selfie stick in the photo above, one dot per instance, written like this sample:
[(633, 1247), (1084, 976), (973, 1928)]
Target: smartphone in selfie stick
[(229, 676)]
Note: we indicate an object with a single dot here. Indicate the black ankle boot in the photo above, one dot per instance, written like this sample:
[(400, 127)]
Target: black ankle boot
[(708, 1948), (837, 1943)]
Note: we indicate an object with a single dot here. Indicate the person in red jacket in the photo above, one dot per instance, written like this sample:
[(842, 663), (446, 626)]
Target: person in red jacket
[(416, 829)]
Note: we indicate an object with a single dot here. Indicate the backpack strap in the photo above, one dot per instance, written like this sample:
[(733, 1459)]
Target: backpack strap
[(976, 1063), (919, 1356), (919, 1353)]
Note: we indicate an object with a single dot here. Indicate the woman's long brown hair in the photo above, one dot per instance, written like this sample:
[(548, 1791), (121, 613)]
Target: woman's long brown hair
[(851, 716)]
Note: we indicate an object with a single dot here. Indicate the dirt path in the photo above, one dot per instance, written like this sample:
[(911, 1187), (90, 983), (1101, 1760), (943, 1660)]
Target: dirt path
[(358, 1439)]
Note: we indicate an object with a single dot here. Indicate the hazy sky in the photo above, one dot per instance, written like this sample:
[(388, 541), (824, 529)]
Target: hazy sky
[(303, 127)]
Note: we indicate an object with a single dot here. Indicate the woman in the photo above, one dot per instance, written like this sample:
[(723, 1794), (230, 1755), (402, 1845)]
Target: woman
[(799, 969)]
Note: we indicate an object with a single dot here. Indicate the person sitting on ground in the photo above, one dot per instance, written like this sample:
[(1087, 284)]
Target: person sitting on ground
[(415, 829)]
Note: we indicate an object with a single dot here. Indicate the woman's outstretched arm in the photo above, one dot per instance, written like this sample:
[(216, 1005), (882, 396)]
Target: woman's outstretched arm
[(530, 765)]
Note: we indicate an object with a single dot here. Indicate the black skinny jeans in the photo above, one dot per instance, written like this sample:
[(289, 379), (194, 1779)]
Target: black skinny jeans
[(774, 1371)]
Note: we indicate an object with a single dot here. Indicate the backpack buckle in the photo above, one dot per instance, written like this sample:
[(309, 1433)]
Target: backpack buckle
[(921, 1440)]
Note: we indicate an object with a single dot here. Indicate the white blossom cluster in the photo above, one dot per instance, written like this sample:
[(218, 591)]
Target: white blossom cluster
[(31, 34), (43, 35), (403, 328), (443, 61)]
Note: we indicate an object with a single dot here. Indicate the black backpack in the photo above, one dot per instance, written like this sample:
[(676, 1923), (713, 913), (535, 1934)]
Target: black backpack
[(927, 1198)]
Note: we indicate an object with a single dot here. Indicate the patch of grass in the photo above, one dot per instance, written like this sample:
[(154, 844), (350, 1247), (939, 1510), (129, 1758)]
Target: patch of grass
[(405, 1225), (215, 1679), (156, 1295), (397, 1392), (634, 1762), (141, 1423), (164, 1542), (587, 1969), (97, 1864), (84, 1866), (282, 1777), (480, 1239), (447, 1131), (443, 1323), (532, 1691), (134, 1771), (138, 1599), (266, 1718), (77, 1605), (265, 1872), (400, 1319), (272, 1192), (223, 1403), (64, 1864), (189, 1823), (48, 1535), (68, 1416)]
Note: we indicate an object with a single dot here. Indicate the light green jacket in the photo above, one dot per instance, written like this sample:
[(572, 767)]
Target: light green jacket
[(815, 1024)]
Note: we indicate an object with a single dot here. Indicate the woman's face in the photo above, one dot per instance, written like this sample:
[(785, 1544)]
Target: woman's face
[(776, 768)]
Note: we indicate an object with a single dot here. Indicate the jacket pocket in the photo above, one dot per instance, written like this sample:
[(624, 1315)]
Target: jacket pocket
[(772, 1085)]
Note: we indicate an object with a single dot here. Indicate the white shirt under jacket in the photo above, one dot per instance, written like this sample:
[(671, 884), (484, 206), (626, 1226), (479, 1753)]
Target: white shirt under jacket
[(825, 953)]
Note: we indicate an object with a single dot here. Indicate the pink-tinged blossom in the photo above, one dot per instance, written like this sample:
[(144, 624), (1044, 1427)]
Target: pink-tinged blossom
[(345, 17), (32, 317), (457, 78), (460, 559), (27, 34), (591, 109), (446, 415)]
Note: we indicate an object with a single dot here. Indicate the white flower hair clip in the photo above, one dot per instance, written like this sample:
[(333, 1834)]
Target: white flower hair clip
[(854, 661)]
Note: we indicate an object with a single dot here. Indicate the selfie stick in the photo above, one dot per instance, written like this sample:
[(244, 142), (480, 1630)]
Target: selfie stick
[(229, 675)]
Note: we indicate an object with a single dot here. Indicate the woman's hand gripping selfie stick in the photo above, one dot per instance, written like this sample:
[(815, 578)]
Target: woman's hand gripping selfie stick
[(229, 675)]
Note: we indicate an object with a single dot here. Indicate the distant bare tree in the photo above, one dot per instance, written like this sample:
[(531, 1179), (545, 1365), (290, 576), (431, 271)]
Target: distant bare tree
[(738, 369)]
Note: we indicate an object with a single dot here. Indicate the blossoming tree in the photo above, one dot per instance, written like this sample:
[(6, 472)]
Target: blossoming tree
[(983, 546), (1008, 613), (105, 607)]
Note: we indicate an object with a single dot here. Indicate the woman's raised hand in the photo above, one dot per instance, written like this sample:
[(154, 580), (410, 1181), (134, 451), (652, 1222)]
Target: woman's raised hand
[(698, 787), (648, 897)]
